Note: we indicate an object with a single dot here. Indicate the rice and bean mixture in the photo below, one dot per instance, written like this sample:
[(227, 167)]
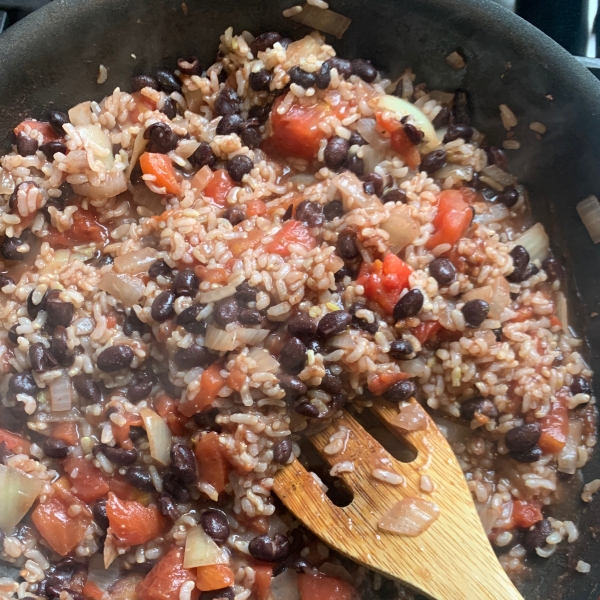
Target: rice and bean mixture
[(201, 271)]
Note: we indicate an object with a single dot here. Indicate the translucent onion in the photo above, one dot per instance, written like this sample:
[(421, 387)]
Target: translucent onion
[(567, 457), (414, 367), (285, 586), (410, 516), (138, 148), (411, 418), (401, 227), (459, 172), (60, 259), (535, 240), (144, 196), (562, 311), (194, 100), (323, 20), (488, 515), (492, 214), (159, 436), (368, 129), (114, 184), (589, 212), (61, 393), (264, 361), (201, 550), (372, 158), (69, 416), (18, 492), (499, 175), (97, 574), (81, 114), (225, 341), (123, 287), (94, 135), (134, 262), (7, 183), (353, 193)]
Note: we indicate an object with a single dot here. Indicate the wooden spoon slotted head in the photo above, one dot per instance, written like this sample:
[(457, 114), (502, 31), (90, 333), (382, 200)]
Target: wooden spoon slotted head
[(450, 560)]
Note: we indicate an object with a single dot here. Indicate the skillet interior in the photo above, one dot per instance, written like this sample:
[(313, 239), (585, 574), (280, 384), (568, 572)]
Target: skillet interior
[(50, 60)]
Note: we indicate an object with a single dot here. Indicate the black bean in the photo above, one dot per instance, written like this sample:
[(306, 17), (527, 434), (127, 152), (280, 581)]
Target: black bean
[(168, 81), (338, 402), (333, 210), (132, 324), (323, 76), (13, 336), (235, 215), (115, 358), (207, 420), (260, 81), (400, 391), (167, 506), (185, 283), (103, 261), (140, 478), (227, 102), (169, 108), (369, 188), (55, 448), (100, 516), (264, 41), (442, 118), (364, 69), (579, 385), (189, 66), (159, 268), (345, 271), (215, 524), (554, 269), (259, 112), (203, 156), (330, 383), (520, 258), (301, 565), (140, 387), (302, 326), (183, 463), (460, 108), (523, 437), (530, 455), (509, 197), (536, 536), (496, 156), (433, 161), (478, 406), (226, 311), (336, 152), (347, 246), (251, 137), (442, 270), (413, 134), (245, 292), (293, 386), (188, 319), (175, 487), (376, 181), (9, 248), (475, 312), (356, 139), (26, 145), (23, 383), (6, 280), (292, 357), (459, 130), (333, 323), (301, 77), (51, 148), (222, 594), (139, 82), (401, 349), (57, 119), (250, 317), (162, 306), (87, 387), (409, 305), (193, 356), (41, 358), (161, 138), (136, 433), (396, 195), (267, 549), (239, 166), (59, 346), (59, 312), (282, 450), (119, 456), (34, 309), (310, 213), (231, 123), (356, 165), (343, 66)]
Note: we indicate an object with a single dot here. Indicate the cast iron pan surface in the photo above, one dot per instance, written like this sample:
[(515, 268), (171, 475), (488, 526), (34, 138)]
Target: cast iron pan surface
[(50, 60)]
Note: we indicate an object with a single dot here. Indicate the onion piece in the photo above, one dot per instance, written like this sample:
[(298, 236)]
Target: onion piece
[(217, 294), (159, 436), (144, 196), (481, 293), (100, 576), (138, 148), (264, 361), (114, 184), (201, 178), (500, 297), (499, 175), (124, 589), (488, 515), (18, 492), (589, 212), (368, 129), (123, 287), (411, 417), (69, 416), (414, 367), (285, 586), (371, 158), (201, 550), (562, 311), (81, 114), (7, 183), (410, 516), (194, 100), (60, 259), (458, 172), (535, 240), (302, 48), (252, 337), (353, 193), (567, 457), (225, 341), (134, 262), (401, 227), (492, 213), (94, 135), (323, 20), (61, 393)]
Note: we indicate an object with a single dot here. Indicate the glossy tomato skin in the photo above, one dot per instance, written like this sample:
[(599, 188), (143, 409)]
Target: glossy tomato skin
[(89, 483), (218, 186), (293, 232), (131, 522), (453, 217)]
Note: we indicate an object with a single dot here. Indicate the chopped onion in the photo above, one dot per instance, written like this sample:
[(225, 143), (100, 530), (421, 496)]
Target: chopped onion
[(102, 577), (371, 158), (252, 337), (535, 240), (323, 20), (410, 516), (304, 179), (60, 259), (114, 184), (481, 293), (201, 550), (61, 393), (589, 212), (499, 175), (403, 108), (81, 114), (411, 417), (401, 227), (201, 178), (94, 134), (123, 287), (500, 297), (194, 100), (265, 363), (18, 492), (144, 196), (159, 436), (224, 341), (492, 213), (562, 311), (297, 51), (7, 183), (458, 172), (58, 417), (218, 294), (124, 589), (453, 432), (567, 457), (138, 148), (414, 367), (285, 586), (488, 515), (135, 262), (353, 193), (368, 129)]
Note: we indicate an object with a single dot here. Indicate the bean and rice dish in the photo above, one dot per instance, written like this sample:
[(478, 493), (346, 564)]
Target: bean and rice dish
[(202, 271)]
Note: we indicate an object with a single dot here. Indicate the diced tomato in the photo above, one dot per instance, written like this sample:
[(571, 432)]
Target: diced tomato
[(92, 592), (386, 121), (380, 382), (213, 465), (452, 219), (405, 148), (121, 488), (89, 483), (236, 379), (163, 170), (85, 229), (426, 330), (142, 104), (293, 232), (263, 574), (319, 587), (131, 522), (256, 208), (15, 443), (259, 525), (168, 408), (211, 383), (67, 432), (525, 514), (251, 240), (121, 432), (42, 127), (58, 528), (523, 314), (212, 274), (555, 425), (555, 321), (166, 578), (384, 281), (218, 186), (214, 577)]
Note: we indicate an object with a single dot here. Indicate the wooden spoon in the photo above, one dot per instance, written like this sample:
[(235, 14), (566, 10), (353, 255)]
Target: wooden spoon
[(451, 560)]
